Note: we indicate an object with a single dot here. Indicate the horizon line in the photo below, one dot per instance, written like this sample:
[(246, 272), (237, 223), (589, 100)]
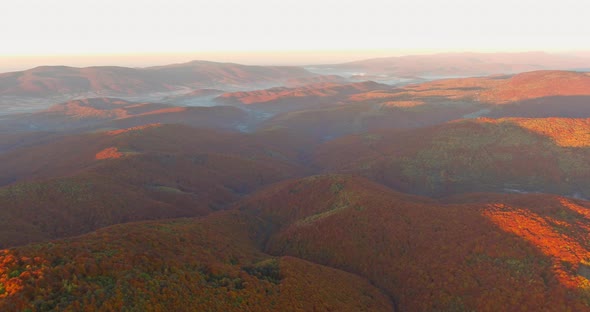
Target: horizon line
[(400, 51), (21, 62)]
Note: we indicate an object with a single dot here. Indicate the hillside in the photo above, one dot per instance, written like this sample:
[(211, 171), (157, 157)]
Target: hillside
[(304, 197), (86, 182), (491, 91), (10, 140), (352, 108), (505, 155), (425, 255), (328, 111), (120, 189), (362, 117), (538, 84), (533, 94), (309, 96), (190, 264), (68, 154), (420, 255), (96, 113)]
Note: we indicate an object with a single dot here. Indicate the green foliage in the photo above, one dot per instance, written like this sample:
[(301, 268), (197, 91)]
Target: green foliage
[(336, 187), (68, 286), (145, 276), (108, 253), (15, 273), (484, 156), (268, 270), (105, 282), (221, 280), (569, 267), (57, 261)]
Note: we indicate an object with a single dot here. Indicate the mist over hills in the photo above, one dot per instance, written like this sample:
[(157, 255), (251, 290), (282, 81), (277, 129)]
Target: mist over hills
[(52, 80), (364, 186), (46, 85), (40, 87)]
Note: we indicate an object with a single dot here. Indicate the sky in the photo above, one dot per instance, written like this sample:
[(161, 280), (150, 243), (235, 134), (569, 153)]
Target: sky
[(139, 33)]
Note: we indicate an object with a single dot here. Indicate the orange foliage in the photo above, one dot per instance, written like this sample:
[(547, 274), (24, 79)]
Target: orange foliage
[(542, 233), (495, 89), (404, 103), (109, 153), (138, 128), (188, 265), (575, 208), (165, 111), (422, 254), (73, 109), (373, 95), (457, 89), (430, 257), (538, 84), (566, 132), (473, 155), (306, 93), (16, 274)]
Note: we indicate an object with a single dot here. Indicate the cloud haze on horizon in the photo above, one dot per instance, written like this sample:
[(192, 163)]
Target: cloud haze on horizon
[(175, 28)]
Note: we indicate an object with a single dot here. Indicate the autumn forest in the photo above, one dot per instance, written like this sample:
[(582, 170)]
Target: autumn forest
[(443, 182)]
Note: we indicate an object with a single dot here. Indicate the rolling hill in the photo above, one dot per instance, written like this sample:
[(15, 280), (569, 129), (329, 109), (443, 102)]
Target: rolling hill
[(493, 91), (104, 113), (57, 80), (330, 111), (304, 197), (312, 95), (429, 256), (80, 183), (184, 265), (401, 252), (503, 155)]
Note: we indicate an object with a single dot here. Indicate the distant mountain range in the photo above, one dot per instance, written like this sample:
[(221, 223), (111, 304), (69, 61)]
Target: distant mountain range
[(350, 107), (463, 64), (57, 80)]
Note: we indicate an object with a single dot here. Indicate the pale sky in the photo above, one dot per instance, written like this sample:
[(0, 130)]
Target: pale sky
[(224, 29)]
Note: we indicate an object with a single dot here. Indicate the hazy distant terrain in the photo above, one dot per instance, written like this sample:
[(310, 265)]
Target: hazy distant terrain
[(184, 84), (449, 65), (45, 85)]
